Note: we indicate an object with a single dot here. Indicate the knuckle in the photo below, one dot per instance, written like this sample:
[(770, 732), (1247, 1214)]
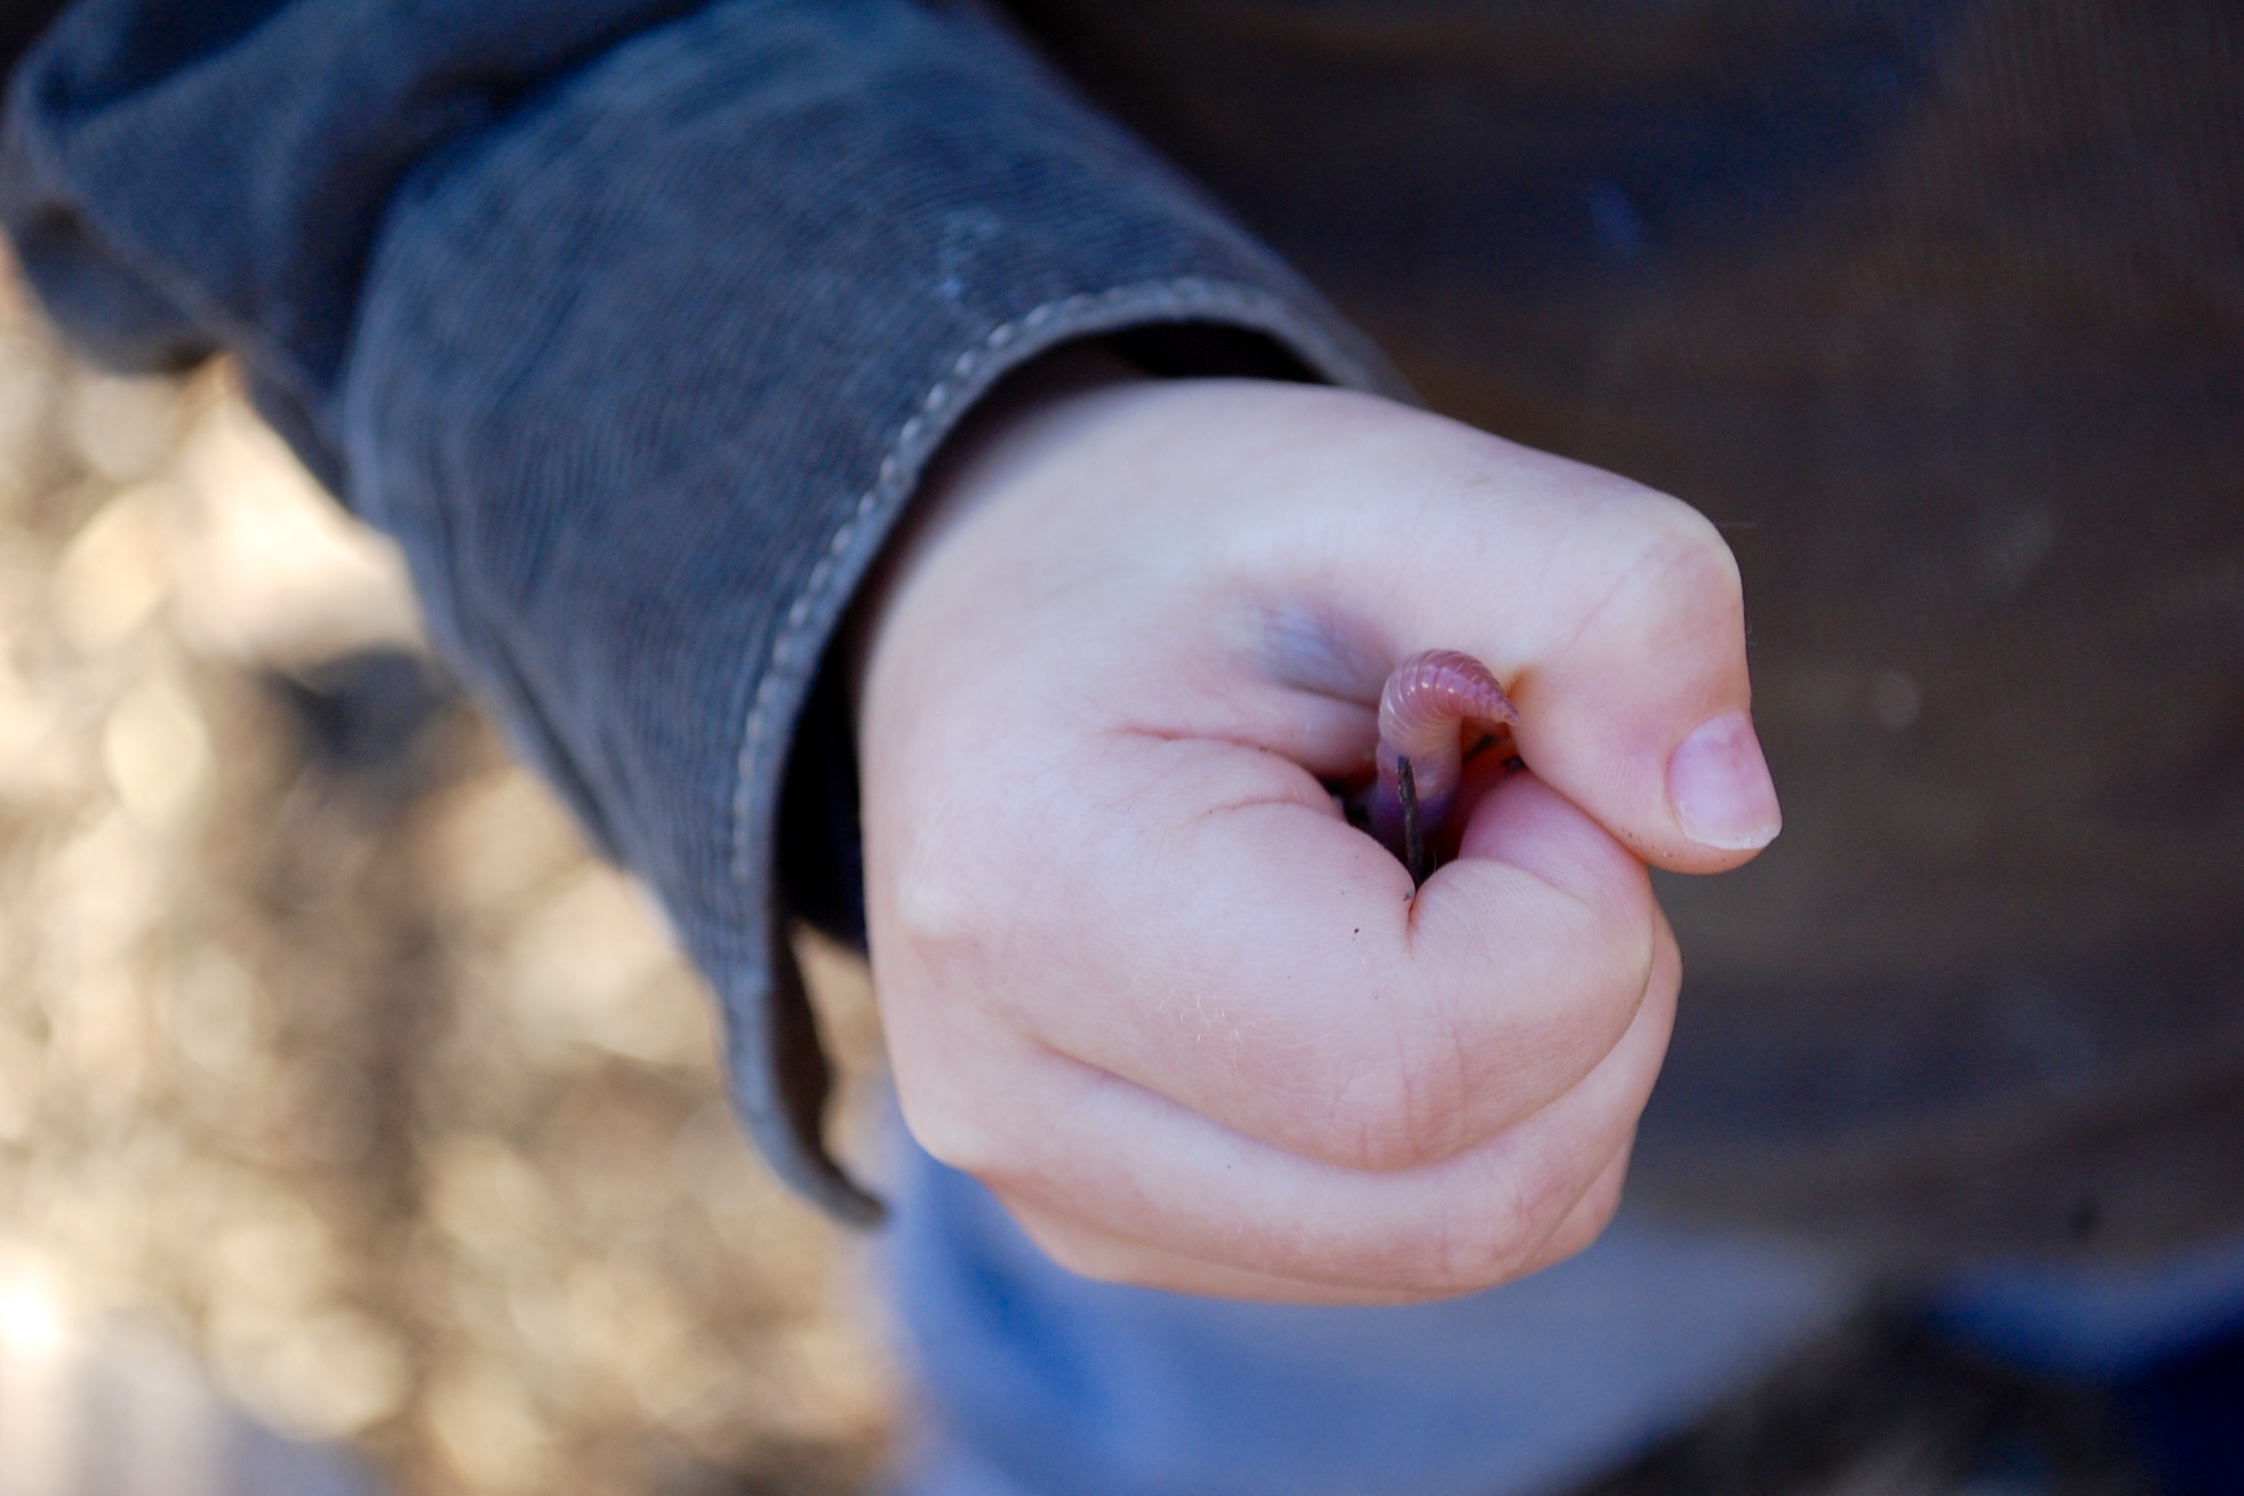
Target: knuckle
[(1679, 537), (1493, 1236), (954, 1136), (1568, 1013), (1684, 564), (1649, 567), (945, 883), (1481, 1250), (1589, 1219), (1084, 1255), (932, 907)]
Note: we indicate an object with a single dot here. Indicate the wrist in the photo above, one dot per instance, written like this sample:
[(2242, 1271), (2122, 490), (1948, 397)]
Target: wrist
[(973, 454)]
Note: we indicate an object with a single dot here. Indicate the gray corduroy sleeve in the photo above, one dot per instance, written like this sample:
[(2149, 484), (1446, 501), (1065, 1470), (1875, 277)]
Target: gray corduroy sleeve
[(635, 322)]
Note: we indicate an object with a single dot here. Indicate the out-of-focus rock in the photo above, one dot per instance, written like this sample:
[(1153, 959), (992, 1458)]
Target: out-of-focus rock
[(271, 569)]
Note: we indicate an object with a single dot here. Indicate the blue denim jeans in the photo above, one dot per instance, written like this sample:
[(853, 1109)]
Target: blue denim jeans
[(1036, 1382), (1039, 1381)]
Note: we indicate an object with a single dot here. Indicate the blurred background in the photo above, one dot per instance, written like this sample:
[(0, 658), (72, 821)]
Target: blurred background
[(362, 1135), (358, 1131)]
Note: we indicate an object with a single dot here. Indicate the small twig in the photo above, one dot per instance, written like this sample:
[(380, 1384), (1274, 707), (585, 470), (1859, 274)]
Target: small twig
[(1414, 835)]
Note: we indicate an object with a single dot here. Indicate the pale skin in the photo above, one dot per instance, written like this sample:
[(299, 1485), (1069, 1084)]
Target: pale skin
[(1138, 974)]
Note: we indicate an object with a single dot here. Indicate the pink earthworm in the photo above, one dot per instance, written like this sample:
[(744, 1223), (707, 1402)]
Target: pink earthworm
[(1428, 701)]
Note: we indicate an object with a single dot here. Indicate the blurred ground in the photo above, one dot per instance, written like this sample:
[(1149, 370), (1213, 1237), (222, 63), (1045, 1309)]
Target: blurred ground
[(329, 1061)]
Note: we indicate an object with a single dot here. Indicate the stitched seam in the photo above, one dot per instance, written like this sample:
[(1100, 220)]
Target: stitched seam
[(1041, 327)]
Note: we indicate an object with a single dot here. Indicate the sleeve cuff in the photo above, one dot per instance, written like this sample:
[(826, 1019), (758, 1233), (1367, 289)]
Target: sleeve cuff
[(642, 384)]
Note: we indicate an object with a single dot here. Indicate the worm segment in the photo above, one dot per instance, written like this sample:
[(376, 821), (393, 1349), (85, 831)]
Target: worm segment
[(1428, 702)]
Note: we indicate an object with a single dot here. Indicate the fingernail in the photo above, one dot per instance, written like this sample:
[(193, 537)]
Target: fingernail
[(1721, 788)]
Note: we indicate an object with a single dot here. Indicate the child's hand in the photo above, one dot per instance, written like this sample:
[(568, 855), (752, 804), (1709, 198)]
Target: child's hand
[(1138, 974)]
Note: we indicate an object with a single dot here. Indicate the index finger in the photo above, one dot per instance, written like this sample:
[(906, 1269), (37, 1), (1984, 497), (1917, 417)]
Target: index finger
[(1275, 973)]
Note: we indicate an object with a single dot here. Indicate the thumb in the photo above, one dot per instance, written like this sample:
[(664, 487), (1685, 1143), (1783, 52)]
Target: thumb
[(1636, 701), (1612, 614)]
